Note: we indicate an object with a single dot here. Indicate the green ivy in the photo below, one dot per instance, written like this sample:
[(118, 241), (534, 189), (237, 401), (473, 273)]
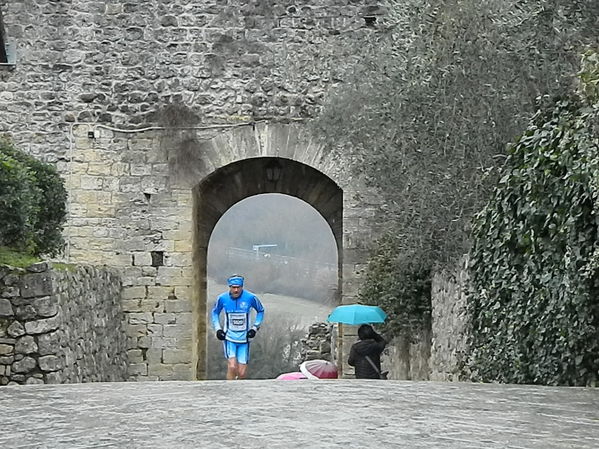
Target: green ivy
[(534, 310), (400, 284)]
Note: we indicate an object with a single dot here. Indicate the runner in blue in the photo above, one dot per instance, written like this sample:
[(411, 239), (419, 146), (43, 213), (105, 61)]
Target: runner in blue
[(237, 332)]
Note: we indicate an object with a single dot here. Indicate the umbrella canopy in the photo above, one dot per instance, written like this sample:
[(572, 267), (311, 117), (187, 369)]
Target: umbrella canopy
[(319, 369), (291, 376), (357, 314)]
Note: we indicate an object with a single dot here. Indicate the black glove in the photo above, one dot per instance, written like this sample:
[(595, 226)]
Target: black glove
[(220, 334), (251, 333)]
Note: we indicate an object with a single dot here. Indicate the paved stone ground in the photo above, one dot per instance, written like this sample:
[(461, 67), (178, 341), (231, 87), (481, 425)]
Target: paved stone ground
[(298, 414)]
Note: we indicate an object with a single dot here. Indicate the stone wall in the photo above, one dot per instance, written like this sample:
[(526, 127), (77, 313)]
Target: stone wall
[(408, 359), (449, 339), (91, 92), (438, 352), (61, 326), (318, 343), (116, 63)]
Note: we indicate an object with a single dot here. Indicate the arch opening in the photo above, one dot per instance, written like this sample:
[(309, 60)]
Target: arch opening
[(235, 182), (286, 251)]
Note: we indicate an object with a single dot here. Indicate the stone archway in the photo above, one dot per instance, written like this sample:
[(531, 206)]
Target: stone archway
[(216, 193), (132, 210)]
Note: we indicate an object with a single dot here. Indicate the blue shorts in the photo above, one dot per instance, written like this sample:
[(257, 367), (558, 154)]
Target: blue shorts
[(240, 351)]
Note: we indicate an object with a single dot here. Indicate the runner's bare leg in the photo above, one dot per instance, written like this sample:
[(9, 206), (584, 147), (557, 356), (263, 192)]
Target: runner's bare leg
[(241, 370), (232, 368)]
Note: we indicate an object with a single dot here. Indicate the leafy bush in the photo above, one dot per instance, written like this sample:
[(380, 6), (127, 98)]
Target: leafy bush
[(401, 285), (19, 198), (535, 257), (35, 200)]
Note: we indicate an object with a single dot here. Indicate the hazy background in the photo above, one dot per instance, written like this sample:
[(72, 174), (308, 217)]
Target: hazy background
[(288, 256)]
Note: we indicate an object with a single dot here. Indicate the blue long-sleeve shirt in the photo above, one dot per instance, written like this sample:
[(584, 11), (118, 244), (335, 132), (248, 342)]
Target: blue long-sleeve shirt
[(237, 315)]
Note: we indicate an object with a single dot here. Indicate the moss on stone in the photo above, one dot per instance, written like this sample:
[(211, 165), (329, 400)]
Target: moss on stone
[(16, 258)]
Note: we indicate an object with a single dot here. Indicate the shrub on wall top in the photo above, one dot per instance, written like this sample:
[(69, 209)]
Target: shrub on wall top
[(400, 283), (33, 200), (19, 198)]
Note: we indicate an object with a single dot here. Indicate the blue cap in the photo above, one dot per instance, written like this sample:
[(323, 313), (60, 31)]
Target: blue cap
[(235, 281)]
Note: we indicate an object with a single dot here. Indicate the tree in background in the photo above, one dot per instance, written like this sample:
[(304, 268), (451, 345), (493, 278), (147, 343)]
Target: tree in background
[(427, 113)]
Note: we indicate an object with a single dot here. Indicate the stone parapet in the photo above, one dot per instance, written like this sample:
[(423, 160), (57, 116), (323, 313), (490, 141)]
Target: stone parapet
[(61, 325)]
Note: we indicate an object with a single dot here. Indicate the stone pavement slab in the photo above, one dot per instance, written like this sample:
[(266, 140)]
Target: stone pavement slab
[(298, 414)]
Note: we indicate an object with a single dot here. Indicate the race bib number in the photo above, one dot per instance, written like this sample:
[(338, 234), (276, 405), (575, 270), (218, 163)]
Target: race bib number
[(237, 321)]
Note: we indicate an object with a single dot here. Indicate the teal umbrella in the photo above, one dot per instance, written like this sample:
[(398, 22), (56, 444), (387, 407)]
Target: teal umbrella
[(357, 314)]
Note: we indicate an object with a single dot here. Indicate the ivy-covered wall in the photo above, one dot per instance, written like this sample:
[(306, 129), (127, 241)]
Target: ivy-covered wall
[(535, 256)]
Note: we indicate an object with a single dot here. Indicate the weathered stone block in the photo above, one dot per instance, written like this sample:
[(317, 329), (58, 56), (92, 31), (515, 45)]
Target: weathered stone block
[(50, 363), (166, 275), (165, 318), (33, 381), (136, 330), (135, 356), (9, 292), (132, 305), (24, 365), (5, 307), (25, 312), (48, 343), (140, 318), (36, 284), (135, 292), (154, 356), (163, 342), (6, 349), (91, 182), (175, 331), (162, 371), (42, 326), (159, 291), (39, 267), (7, 360), (46, 307), (176, 356), (137, 369), (12, 278), (144, 342), (184, 318), (181, 371), (155, 330), (4, 270), (26, 345), (177, 305), (54, 378)]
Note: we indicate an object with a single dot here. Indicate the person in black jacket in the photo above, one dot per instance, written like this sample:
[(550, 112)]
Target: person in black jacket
[(371, 345)]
